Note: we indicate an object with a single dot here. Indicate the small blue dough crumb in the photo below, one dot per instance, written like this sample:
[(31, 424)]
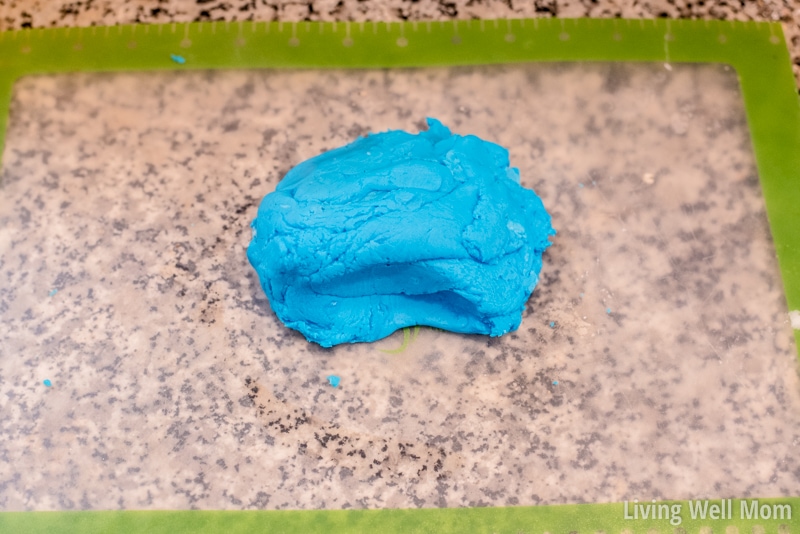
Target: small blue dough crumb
[(397, 230), (180, 60), (334, 380), (47, 382)]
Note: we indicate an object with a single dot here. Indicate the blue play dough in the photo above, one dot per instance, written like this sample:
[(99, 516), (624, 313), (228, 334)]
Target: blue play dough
[(396, 230)]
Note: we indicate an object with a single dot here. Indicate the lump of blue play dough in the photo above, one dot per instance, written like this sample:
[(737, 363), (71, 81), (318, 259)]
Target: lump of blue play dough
[(396, 230)]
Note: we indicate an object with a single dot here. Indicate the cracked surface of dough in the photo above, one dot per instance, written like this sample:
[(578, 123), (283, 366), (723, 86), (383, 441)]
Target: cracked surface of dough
[(396, 230)]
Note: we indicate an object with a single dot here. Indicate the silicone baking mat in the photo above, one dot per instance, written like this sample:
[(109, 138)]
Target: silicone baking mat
[(142, 367)]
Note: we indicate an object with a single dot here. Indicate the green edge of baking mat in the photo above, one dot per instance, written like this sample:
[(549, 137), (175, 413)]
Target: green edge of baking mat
[(767, 516), (756, 50)]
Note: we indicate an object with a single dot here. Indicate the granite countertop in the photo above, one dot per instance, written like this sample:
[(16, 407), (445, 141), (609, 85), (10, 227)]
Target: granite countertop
[(142, 368)]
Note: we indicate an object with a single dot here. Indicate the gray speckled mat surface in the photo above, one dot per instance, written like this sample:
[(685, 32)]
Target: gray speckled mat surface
[(655, 359)]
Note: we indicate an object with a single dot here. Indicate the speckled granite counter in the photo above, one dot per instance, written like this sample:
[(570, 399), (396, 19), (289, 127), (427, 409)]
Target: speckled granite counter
[(655, 359)]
